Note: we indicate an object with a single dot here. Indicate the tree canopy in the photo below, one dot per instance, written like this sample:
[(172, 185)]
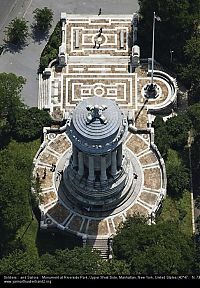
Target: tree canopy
[(15, 174), (79, 261), (50, 51), (16, 120), (19, 262), (29, 124), (194, 114), (154, 249), (17, 32), (162, 138), (10, 103), (177, 129), (82, 262), (173, 31), (172, 133), (177, 174), (43, 18), (178, 32)]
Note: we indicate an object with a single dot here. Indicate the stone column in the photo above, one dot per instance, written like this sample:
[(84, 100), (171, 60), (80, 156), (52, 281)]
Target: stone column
[(113, 163), (91, 176), (119, 156), (75, 157), (103, 176), (80, 164)]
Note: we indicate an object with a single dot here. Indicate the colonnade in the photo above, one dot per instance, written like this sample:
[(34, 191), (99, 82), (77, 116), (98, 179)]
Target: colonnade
[(78, 162)]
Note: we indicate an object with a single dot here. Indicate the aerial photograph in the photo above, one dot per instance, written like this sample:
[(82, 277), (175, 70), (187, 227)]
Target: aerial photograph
[(99, 140)]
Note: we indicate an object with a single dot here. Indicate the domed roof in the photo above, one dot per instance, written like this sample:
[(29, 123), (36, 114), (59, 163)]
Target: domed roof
[(97, 125)]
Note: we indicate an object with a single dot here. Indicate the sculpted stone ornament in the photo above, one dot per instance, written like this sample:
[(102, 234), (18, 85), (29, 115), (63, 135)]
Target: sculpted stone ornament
[(96, 112)]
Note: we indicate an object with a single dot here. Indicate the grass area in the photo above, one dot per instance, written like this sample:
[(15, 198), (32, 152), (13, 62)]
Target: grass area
[(178, 210), (28, 235), (28, 232)]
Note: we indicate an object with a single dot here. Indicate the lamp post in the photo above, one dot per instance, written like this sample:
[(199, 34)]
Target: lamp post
[(171, 55), (151, 89), (152, 57)]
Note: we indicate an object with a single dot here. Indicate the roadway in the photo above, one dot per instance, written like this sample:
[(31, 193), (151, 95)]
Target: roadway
[(26, 61), (9, 9)]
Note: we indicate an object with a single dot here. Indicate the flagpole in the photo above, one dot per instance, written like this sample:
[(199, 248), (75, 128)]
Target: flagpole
[(152, 57)]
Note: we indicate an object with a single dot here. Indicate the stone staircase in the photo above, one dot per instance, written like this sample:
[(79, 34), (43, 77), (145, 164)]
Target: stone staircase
[(100, 245), (43, 93)]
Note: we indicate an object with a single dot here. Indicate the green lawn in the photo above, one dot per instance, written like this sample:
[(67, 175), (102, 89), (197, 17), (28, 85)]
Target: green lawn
[(28, 235), (28, 232), (38, 242), (178, 210)]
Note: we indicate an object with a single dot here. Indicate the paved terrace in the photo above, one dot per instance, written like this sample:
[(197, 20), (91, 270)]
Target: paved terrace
[(82, 32), (59, 212), (100, 70)]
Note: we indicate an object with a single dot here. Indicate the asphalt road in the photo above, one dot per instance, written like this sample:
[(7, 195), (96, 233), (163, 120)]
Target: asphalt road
[(9, 9), (5, 9), (26, 61)]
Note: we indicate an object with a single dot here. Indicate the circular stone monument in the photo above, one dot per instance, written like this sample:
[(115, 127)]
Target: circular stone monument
[(99, 175)]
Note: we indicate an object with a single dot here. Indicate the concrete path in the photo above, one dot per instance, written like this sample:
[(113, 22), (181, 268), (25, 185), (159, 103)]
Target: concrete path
[(26, 62)]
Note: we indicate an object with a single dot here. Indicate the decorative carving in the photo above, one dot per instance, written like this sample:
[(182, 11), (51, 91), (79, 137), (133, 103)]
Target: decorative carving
[(96, 112)]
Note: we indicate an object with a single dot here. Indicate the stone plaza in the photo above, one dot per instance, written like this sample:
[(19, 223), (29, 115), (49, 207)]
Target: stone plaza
[(102, 165)]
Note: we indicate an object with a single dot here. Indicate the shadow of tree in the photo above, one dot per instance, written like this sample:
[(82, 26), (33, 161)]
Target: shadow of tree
[(48, 241), (13, 48), (39, 35)]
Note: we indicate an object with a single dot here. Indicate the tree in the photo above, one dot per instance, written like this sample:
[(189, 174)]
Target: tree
[(20, 262), (177, 129), (197, 221), (176, 27), (190, 72), (197, 255), (162, 137), (82, 262), (115, 267), (194, 115), (197, 202), (50, 51), (154, 249), (17, 32), (195, 160), (172, 133), (29, 124), (177, 174), (43, 18), (10, 103), (15, 171)]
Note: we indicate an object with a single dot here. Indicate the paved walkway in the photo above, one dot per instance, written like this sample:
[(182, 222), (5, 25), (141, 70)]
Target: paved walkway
[(26, 62)]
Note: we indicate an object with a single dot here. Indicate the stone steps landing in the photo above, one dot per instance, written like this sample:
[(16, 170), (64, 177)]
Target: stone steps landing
[(99, 245), (43, 93)]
